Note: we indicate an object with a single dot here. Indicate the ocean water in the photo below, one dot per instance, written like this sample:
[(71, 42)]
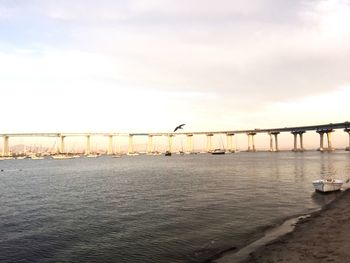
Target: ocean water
[(183, 208)]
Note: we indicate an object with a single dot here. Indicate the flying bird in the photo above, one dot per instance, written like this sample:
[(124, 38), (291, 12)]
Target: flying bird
[(178, 127)]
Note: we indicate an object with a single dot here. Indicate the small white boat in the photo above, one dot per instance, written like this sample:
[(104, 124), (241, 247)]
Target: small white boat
[(218, 151), (92, 155), (61, 156), (34, 157), (327, 185)]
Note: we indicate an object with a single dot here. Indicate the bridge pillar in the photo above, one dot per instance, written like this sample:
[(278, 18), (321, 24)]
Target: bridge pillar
[(271, 143), (170, 142), (301, 141), (88, 145), (6, 148), (130, 145), (62, 146), (150, 144), (209, 144), (329, 140), (251, 144), (273, 136), (190, 143), (296, 133), (295, 142), (321, 133), (348, 131), (229, 143), (110, 145), (276, 142)]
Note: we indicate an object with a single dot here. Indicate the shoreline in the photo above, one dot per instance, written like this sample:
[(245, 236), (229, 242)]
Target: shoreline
[(271, 245)]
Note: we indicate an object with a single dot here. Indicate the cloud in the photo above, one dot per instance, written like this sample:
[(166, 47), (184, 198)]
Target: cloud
[(224, 57)]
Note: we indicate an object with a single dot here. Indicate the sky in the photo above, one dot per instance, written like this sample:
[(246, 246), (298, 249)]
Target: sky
[(147, 66)]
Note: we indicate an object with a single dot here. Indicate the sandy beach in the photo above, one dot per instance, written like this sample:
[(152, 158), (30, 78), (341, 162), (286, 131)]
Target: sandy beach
[(324, 236)]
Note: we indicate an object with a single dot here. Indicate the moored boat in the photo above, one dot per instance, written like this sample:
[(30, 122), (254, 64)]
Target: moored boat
[(218, 151), (92, 155), (34, 157), (61, 156), (327, 185)]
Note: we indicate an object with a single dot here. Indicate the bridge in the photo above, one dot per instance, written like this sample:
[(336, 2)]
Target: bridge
[(322, 130)]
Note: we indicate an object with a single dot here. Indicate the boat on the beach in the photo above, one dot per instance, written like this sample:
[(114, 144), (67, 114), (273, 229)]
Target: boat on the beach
[(327, 185), (167, 153)]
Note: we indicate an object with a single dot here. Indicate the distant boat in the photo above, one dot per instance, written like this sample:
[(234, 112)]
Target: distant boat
[(92, 155), (218, 151), (167, 153), (327, 185), (34, 157), (61, 156), (6, 158), (133, 154)]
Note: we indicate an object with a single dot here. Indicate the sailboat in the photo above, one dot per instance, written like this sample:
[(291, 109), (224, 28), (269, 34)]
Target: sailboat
[(219, 150)]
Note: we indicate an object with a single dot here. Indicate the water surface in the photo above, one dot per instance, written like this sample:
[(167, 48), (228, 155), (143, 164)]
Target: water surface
[(153, 208)]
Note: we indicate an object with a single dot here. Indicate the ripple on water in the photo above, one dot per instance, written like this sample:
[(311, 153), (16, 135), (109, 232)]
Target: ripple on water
[(152, 209)]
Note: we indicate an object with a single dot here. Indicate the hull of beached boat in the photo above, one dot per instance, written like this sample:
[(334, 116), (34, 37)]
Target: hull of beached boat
[(327, 186)]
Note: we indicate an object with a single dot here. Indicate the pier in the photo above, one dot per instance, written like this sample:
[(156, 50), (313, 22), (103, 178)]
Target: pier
[(324, 131)]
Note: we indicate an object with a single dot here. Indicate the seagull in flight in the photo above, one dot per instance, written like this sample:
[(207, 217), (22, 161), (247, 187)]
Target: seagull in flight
[(178, 127)]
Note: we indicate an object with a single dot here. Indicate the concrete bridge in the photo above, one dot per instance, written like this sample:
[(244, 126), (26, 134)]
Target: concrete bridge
[(297, 132)]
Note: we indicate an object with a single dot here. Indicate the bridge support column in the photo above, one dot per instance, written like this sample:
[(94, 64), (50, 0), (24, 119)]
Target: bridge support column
[(150, 144), (190, 143), (251, 144), (6, 148), (321, 133), (110, 145), (209, 144), (296, 133), (273, 136), (301, 141), (295, 142), (276, 142), (88, 145), (329, 140), (170, 142), (348, 131), (229, 143), (62, 146), (271, 143), (130, 145)]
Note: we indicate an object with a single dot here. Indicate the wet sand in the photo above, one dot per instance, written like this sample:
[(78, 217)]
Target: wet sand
[(324, 236)]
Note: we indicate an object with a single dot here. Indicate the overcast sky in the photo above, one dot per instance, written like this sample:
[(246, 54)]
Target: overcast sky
[(141, 66)]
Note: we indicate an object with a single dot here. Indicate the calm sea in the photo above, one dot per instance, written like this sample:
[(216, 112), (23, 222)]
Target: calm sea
[(153, 208)]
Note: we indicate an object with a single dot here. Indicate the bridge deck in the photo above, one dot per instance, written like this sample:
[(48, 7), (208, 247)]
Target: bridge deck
[(322, 127)]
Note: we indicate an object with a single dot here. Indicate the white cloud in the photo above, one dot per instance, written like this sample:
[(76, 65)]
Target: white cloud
[(203, 61)]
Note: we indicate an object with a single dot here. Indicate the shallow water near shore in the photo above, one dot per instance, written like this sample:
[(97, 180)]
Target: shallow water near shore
[(183, 208)]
